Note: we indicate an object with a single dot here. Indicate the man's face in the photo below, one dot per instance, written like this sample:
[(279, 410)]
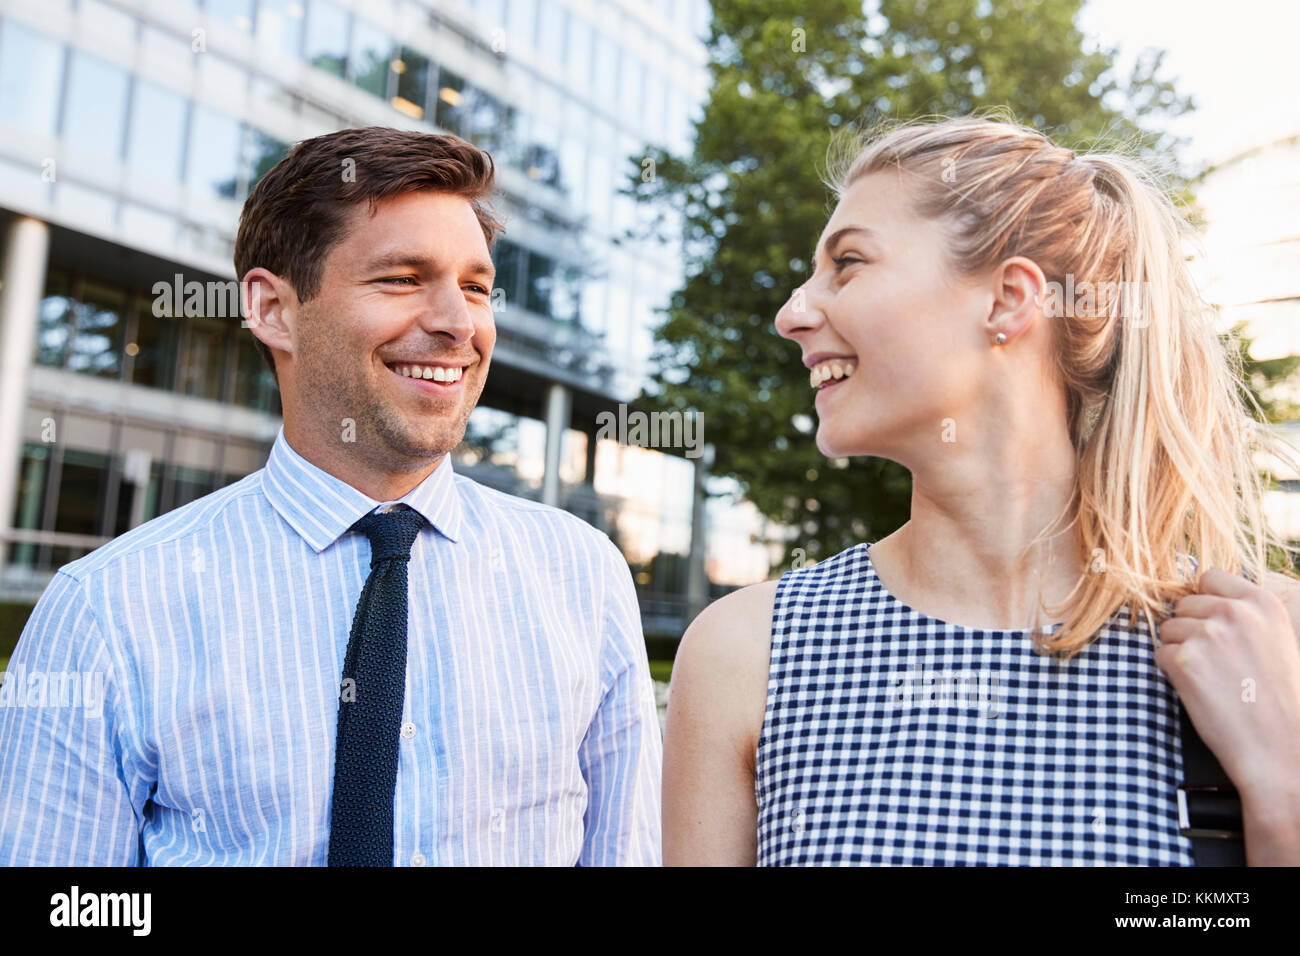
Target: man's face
[(407, 289)]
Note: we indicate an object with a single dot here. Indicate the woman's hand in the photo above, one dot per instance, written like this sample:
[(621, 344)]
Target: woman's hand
[(1232, 651)]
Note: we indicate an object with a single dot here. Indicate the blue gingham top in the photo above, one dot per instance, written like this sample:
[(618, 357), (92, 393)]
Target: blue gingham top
[(892, 737)]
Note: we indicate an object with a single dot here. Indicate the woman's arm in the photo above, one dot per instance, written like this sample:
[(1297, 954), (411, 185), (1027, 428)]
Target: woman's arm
[(715, 714)]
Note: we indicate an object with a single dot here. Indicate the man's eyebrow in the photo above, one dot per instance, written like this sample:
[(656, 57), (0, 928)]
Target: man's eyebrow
[(406, 260), (839, 234)]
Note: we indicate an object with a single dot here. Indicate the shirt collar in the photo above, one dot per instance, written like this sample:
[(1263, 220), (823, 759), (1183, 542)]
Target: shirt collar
[(321, 507)]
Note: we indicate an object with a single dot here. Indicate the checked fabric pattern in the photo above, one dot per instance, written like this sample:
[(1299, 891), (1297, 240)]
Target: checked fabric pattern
[(895, 738), (370, 710)]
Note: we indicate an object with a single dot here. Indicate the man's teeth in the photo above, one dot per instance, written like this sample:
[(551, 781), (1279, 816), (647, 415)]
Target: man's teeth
[(838, 368), (434, 373)]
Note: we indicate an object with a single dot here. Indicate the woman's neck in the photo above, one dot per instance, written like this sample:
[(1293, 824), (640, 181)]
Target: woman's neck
[(973, 514)]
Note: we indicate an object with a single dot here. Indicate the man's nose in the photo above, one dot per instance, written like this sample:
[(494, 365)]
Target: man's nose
[(446, 311)]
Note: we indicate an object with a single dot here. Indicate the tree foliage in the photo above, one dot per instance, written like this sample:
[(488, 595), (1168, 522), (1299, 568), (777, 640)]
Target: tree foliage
[(749, 204)]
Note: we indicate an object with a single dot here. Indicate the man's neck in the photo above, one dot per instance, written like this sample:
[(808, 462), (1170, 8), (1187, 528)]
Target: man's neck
[(353, 467)]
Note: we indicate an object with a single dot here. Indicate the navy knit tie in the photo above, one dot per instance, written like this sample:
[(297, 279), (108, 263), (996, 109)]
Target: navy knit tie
[(370, 702)]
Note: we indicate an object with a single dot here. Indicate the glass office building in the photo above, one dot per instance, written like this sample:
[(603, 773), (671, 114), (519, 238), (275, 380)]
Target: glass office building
[(131, 132)]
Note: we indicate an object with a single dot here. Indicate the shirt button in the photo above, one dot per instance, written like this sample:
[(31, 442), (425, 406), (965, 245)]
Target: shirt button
[(408, 730), (418, 860)]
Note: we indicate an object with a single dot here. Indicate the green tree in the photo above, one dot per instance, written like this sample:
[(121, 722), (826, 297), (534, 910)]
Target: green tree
[(749, 204), (1264, 378)]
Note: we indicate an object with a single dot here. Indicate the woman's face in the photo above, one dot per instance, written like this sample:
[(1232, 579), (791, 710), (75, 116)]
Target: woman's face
[(884, 302)]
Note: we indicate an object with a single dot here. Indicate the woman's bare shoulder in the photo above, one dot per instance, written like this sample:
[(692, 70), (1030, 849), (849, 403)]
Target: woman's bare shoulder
[(736, 628), (722, 662)]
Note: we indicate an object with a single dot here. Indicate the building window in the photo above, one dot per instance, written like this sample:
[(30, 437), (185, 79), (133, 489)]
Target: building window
[(154, 353), (484, 120), (202, 367), (95, 112), (523, 22), (153, 493), (254, 382), (412, 70), (157, 132), (214, 154), (541, 162), (29, 509), (605, 63), (279, 25), (238, 13), (83, 484), (96, 347), (30, 72), (552, 288), (372, 54), (630, 86), (450, 109), (55, 320), (262, 153), (327, 37), (552, 22), (505, 451), (190, 484), (579, 60), (505, 256), (121, 518), (539, 272)]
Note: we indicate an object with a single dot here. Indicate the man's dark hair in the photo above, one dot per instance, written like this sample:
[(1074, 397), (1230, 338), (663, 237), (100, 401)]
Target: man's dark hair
[(297, 212)]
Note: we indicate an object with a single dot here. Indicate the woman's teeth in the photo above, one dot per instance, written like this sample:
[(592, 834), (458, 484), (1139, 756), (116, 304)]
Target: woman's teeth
[(434, 373), (824, 371)]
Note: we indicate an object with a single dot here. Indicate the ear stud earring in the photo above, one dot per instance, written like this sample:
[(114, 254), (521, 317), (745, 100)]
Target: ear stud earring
[(1000, 338)]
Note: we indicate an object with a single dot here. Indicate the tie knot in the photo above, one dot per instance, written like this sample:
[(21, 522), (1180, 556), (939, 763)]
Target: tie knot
[(391, 533)]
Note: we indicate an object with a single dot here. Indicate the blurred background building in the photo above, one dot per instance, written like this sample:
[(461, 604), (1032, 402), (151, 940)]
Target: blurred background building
[(131, 132), (1250, 197)]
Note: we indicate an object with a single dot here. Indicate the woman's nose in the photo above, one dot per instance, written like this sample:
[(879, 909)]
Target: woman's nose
[(798, 314)]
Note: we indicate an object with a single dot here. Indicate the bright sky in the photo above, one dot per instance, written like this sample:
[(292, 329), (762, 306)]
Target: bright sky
[(1237, 59)]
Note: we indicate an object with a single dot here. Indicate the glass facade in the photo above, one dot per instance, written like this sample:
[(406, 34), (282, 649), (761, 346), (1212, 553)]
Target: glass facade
[(563, 137), (95, 107), (110, 331), (30, 70), (77, 491), (595, 88)]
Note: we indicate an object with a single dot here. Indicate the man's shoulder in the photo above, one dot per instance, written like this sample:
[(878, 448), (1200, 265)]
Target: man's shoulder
[(150, 538)]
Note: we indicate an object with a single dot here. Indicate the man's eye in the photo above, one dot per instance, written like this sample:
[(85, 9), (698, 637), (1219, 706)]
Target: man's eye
[(480, 289), (398, 279)]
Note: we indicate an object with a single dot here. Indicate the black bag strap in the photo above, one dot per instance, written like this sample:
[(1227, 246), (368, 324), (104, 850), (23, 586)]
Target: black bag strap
[(1209, 808)]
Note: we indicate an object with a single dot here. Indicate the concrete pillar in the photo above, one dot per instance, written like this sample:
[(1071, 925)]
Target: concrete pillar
[(135, 470), (559, 409), (697, 578), (26, 251)]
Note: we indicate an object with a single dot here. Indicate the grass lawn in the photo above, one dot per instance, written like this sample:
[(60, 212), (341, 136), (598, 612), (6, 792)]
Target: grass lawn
[(661, 670)]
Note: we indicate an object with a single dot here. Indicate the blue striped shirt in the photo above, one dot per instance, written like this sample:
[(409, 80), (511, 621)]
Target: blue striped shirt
[(174, 696)]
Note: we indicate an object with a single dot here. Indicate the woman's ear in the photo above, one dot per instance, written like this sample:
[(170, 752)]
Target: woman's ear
[(1019, 288)]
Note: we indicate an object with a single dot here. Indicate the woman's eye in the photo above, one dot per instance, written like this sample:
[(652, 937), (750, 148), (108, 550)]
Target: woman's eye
[(845, 261)]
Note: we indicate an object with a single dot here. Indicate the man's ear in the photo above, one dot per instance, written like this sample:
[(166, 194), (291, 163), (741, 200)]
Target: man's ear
[(270, 308), (1019, 287)]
